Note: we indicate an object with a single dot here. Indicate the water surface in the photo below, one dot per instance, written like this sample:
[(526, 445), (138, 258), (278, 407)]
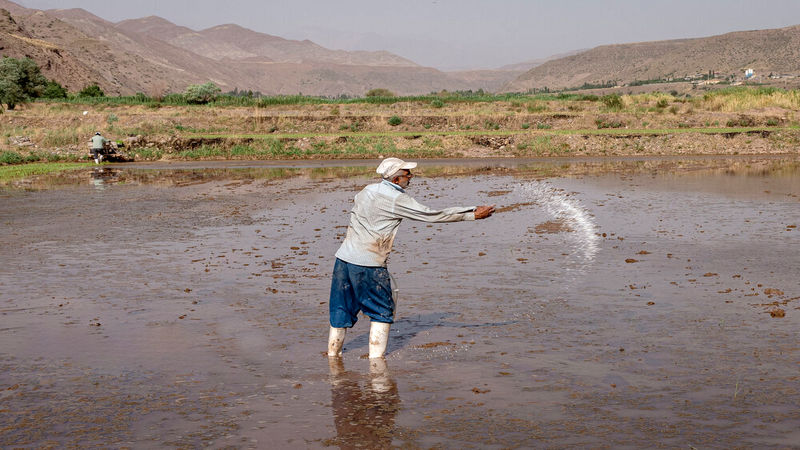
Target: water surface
[(609, 303)]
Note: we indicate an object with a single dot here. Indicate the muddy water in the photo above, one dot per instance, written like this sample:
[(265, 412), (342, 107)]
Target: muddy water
[(610, 303)]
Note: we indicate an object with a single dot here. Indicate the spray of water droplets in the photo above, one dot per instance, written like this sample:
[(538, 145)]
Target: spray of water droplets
[(584, 241)]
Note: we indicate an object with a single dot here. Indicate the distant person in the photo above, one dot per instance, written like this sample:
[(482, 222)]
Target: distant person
[(98, 146), (360, 280)]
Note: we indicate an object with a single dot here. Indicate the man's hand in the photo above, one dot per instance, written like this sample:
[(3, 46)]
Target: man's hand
[(482, 212)]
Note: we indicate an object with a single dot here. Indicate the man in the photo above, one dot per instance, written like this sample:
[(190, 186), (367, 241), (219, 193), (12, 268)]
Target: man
[(98, 144), (360, 279)]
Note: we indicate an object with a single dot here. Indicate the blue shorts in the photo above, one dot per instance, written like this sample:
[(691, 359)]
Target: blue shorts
[(358, 288)]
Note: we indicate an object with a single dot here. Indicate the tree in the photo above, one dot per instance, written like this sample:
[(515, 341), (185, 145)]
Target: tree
[(202, 93), (93, 90), (20, 81), (10, 92)]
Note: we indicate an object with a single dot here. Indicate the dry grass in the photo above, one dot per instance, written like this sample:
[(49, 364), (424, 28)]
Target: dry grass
[(737, 100), (425, 128)]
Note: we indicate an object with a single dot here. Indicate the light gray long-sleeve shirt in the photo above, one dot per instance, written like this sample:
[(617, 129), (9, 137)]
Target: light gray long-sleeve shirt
[(379, 209), (98, 142)]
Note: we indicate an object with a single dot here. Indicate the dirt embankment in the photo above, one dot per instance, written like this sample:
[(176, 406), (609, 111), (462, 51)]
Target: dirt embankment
[(512, 145)]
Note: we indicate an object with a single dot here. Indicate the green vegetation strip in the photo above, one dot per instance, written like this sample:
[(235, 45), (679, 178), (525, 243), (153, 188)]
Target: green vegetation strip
[(587, 131), (437, 100), (18, 172)]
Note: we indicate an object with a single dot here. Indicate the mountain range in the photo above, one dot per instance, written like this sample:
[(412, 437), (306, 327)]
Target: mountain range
[(775, 51), (155, 56)]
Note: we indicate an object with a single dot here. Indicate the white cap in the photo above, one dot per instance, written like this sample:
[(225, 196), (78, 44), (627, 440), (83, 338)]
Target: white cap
[(390, 166)]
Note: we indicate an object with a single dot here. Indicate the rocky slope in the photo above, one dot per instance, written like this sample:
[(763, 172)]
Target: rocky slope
[(774, 51), (232, 41)]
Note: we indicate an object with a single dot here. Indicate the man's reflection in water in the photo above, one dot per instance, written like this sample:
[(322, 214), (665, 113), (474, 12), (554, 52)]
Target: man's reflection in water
[(97, 179), (101, 177), (363, 410)]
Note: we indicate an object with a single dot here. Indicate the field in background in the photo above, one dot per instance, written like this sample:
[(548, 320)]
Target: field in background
[(727, 121)]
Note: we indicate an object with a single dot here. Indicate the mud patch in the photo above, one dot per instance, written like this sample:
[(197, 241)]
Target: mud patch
[(497, 193), (434, 345), (513, 207), (553, 227)]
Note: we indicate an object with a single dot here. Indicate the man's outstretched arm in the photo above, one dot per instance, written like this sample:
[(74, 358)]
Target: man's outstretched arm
[(406, 207)]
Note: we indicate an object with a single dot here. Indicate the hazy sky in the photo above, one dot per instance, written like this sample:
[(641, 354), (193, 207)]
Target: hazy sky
[(456, 34)]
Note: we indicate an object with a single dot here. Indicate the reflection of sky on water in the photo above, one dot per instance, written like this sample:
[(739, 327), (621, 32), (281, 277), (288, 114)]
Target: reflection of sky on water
[(583, 242)]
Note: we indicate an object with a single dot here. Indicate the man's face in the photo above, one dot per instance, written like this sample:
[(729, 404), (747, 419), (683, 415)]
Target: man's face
[(403, 178)]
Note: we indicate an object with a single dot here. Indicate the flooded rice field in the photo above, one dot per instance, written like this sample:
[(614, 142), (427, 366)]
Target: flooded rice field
[(628, 303)]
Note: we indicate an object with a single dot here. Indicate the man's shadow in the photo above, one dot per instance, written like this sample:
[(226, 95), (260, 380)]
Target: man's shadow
[(364, 410), (405, 329)]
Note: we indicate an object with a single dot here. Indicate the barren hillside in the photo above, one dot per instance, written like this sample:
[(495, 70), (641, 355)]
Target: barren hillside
[(232, 41), (766, 51), (155, 56), (126, 62), (185, 38), (56, 61)]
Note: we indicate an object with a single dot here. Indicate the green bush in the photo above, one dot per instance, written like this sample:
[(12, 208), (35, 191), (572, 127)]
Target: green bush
[(603, 123), (395, 121), (612, 101), (662, 103), (380, 92), (743, 121), (93, 90), (9, 157), (436, 103), (53, 89), (525, 126), (201, 94)]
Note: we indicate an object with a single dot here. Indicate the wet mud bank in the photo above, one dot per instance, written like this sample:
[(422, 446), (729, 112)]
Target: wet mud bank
[(617, 303)]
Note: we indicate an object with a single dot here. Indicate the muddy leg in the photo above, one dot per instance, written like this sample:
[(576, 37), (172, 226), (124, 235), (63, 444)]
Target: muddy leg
[(378, 338), (336, 341)]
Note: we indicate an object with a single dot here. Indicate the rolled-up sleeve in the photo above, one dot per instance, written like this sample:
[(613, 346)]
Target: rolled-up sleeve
[(408, 208)]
